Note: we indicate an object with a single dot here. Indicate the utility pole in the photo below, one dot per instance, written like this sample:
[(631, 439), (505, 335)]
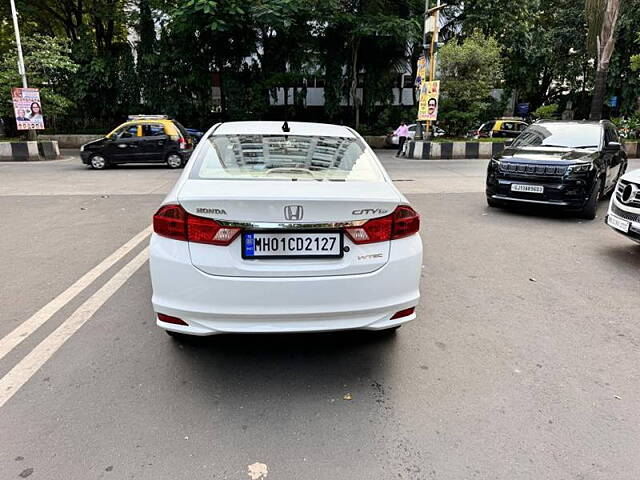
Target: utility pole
[(434, 14), (419, 127), (31, 134)]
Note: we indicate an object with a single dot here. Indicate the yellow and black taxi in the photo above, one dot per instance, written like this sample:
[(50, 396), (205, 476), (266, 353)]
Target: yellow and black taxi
[(503, 128), (567, 164), (142, 139)]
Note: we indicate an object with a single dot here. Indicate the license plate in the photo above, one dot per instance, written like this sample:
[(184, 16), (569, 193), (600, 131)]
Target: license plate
[(292, 245), (618, 223), (527, 188)]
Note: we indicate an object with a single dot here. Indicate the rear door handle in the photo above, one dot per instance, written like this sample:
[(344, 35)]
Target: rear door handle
[(122, 145)]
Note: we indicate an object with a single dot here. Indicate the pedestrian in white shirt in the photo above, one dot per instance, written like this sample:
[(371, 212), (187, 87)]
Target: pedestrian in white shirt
[(402, 132)]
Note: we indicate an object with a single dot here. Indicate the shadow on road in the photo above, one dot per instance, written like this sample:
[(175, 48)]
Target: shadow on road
[(624, 256), (261, 369), (550, 212)]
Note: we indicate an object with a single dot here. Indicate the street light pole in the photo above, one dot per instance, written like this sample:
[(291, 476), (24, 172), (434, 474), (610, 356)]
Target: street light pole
[(16, 28), (31, 134)]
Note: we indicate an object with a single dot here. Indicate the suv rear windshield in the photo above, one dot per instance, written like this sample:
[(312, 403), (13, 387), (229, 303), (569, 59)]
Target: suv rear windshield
[(569, 135), (285, 157)]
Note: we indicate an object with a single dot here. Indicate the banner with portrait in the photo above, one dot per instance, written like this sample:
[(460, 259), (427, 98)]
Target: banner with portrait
[(429, 100), (27, 108)]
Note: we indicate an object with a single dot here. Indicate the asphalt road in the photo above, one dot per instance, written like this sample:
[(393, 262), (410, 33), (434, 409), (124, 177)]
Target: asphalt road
[(522, 364)]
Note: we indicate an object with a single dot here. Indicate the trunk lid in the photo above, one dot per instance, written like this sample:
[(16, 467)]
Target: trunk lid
[(261, 204)]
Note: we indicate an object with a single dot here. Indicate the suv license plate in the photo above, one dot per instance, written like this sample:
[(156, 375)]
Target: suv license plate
[(527, 188), (292, 245), (618, 223)]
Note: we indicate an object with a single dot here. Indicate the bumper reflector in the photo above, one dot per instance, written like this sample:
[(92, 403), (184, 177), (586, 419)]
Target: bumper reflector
[(169, 319), (404, 313)]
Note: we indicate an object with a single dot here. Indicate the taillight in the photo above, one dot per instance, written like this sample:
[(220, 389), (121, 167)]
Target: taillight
[(404, 221), (205, 230), (182, 143), (173, 221)]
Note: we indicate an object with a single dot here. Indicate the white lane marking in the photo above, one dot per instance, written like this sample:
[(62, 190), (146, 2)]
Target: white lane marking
[(29, 365), (26, 328)]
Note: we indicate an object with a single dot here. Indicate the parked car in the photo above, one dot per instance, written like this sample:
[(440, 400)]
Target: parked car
[(196, 135), (142, 139), (568, 164), (624, 207), (502, 128), (392, 140), (284, 228)]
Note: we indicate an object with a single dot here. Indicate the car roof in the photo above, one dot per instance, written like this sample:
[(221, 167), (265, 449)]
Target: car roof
[(161, 121), (275, 128)]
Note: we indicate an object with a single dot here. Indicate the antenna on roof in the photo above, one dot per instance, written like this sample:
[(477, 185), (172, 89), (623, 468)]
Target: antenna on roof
[(285, 127)]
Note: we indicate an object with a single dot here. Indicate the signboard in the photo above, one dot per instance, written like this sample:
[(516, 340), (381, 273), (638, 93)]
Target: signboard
[(429, 98), (27, 108), (522, 109), (613, 102)]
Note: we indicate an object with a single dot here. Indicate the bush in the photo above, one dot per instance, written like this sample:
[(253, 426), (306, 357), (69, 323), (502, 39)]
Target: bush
[(546, 111)]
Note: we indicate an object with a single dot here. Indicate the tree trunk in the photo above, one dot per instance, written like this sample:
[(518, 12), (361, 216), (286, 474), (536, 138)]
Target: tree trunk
[(354, 81), (599, 89), (605, 44)]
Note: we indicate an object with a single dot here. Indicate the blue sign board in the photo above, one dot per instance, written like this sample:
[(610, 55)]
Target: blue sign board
[(522, 109)]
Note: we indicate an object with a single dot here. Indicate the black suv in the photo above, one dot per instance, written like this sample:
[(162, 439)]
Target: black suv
[(569, 164), (143, 139)]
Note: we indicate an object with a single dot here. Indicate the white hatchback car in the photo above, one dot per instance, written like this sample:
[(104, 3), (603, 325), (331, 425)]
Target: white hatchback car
[(624, 207), (278, 227)]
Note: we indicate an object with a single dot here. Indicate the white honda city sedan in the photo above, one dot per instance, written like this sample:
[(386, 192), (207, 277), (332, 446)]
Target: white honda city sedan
[(277, 227)]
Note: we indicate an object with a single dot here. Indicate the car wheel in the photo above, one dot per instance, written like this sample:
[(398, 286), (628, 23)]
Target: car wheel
[(174, 160), (493, 203), (590, 209), (98, 162)]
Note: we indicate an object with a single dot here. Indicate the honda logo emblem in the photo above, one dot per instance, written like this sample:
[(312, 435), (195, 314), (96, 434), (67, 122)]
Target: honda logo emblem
[(293, 212)]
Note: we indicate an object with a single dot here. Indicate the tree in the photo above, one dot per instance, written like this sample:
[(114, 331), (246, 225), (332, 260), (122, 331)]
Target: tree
[(602, 16), (469, 70), (49, 67)]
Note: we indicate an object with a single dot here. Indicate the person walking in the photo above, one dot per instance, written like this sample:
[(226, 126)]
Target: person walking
[(402, 132)]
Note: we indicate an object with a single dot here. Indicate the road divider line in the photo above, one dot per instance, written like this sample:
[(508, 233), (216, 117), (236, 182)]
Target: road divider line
[(30, 364), (29, 326)]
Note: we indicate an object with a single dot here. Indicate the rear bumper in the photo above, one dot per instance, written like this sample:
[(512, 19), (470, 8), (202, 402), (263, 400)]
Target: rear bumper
[(213, 304)]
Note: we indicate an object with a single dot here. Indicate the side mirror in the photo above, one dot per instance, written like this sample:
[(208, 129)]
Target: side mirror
[(613, 147)]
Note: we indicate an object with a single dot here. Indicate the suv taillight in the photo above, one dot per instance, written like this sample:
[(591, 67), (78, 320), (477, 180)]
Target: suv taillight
[(174, 222), (404, 221)]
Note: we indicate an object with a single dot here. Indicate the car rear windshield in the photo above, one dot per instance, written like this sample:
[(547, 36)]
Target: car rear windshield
[(569, 135), (285, 157)]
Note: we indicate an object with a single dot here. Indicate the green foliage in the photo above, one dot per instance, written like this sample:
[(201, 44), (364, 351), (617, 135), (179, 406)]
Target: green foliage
[(546, 111), (49, 67), (469, 71), (628, 126)]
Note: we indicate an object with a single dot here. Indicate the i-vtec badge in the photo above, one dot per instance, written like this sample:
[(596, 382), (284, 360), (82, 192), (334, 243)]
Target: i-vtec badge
[(214, 211), (370, 256), (370, 211)]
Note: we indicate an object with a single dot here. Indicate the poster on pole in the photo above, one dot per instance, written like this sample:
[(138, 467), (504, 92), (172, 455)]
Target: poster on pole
[(27, 108), (421, 71), (429, 99)]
